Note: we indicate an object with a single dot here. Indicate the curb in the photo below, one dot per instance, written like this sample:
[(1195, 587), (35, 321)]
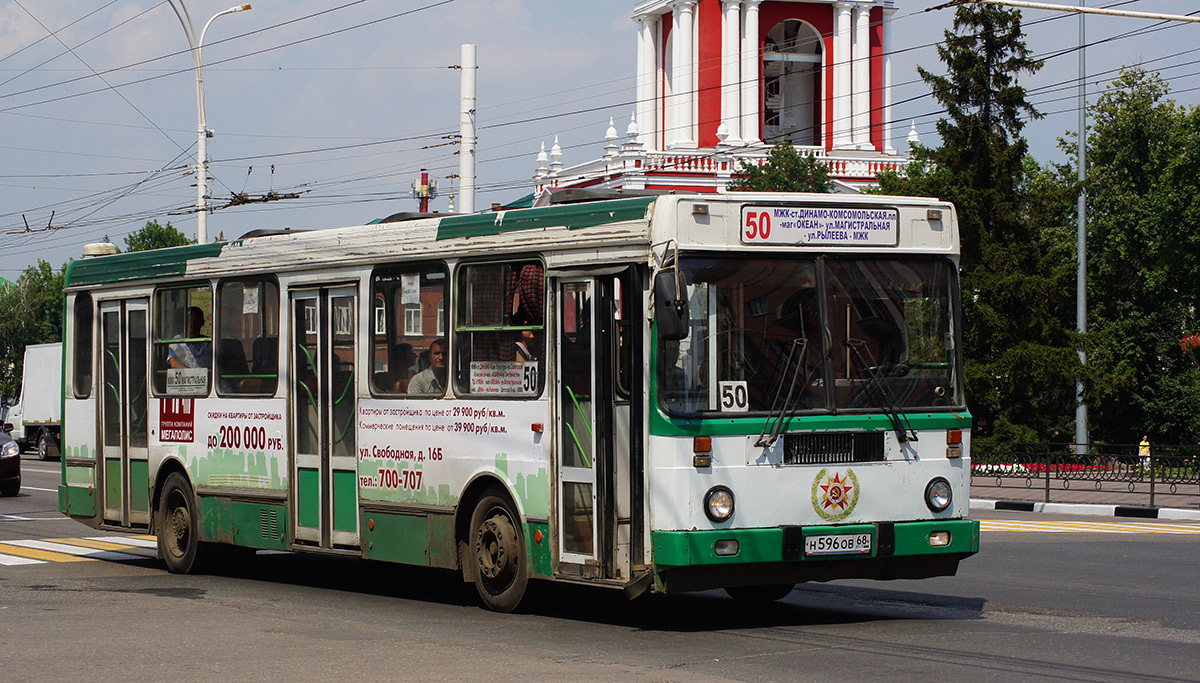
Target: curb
[(1086, 509)]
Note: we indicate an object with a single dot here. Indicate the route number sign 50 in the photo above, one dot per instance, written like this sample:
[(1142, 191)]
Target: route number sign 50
[(756, 225)]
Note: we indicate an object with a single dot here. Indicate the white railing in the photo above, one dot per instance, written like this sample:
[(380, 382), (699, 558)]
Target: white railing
[(722, 165)]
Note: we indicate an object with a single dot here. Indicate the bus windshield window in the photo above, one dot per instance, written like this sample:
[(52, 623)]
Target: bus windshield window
[(798, 334)]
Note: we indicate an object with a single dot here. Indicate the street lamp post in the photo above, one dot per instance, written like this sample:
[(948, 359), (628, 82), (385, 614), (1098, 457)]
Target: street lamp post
[(202, 131)]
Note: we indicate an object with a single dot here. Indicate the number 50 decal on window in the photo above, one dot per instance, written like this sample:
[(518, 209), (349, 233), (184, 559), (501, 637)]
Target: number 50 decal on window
[(733, 396)]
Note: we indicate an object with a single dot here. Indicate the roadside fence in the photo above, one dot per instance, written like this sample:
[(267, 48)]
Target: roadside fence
[(1104, 473)]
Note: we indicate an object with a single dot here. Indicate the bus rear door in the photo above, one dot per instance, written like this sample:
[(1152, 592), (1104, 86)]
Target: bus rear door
[(323, 404)]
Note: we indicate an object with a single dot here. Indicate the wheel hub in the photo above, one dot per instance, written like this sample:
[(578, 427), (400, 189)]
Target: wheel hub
[(495, 547)]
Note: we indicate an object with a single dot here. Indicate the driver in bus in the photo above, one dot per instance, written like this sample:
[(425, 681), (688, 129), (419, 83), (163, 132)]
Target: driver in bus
[(432, 380), (196, 352)]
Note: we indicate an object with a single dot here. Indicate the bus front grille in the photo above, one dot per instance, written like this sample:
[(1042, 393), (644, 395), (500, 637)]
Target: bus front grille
[(832, 447)]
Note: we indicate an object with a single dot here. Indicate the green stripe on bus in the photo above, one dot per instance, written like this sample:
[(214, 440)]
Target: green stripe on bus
[(244, 523), (138, 265), (697, 548), (80, 500), (719, 425), (570, 216)]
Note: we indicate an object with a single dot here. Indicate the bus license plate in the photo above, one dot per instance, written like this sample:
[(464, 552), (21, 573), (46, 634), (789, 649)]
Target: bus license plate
[(837, 544)]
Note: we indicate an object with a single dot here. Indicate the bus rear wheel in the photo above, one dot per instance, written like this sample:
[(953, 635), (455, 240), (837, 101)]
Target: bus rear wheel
[(498, 554), (760, 594), (178, 527)]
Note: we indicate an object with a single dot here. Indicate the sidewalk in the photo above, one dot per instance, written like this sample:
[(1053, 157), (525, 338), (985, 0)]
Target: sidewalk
[(1113, 499)]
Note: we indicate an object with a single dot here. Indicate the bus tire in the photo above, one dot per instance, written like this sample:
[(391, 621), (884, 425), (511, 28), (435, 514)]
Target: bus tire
[(497, 553), (178, 526), (760, 594)]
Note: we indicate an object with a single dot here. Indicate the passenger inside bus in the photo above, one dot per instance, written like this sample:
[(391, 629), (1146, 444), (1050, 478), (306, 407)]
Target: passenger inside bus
[(432, 380), (192, 351)]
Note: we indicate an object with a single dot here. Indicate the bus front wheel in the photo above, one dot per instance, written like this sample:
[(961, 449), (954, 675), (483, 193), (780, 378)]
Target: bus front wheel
[(498, 554), (178, 532)]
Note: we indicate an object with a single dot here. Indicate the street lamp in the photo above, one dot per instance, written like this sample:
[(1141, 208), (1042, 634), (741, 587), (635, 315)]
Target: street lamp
[(202, 131)]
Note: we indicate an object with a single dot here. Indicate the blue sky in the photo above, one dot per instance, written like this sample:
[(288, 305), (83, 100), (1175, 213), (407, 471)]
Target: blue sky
[(348, 119)]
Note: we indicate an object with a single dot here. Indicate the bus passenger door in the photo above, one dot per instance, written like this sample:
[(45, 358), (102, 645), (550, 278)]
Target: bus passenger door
[(594, 428), (125, 468), (324, 404)]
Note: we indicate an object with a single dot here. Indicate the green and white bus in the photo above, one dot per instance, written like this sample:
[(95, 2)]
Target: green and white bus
[(662, 393)]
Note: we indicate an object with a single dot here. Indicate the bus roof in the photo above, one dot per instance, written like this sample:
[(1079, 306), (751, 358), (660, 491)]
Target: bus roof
[(619, 228)]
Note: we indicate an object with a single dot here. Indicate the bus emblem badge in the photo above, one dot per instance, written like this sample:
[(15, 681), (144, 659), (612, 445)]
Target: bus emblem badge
[(834, 495)]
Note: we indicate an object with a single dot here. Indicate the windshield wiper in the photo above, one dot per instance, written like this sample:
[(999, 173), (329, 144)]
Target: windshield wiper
[(887, 402), (765, 441)]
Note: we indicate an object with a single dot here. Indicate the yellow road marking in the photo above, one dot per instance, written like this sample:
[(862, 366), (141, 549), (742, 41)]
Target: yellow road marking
[(44, 555), (1088, 527), (96, 545)]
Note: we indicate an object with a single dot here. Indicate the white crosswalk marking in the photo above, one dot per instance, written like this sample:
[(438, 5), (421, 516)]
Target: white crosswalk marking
[(128, 540), (110, 548), (12, 560), (1087, 527), (76, 550)]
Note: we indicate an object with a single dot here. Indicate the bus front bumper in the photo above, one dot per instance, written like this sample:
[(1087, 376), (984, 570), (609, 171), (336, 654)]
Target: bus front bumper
[(700, 560)]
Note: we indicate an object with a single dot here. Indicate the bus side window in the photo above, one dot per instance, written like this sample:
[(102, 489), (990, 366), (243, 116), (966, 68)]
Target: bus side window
[(182, 340), (83, 345), (247, 337), (409, 306), (500, 329)]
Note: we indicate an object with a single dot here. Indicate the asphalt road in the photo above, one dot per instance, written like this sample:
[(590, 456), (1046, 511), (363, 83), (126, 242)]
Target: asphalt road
[(1076, 599)]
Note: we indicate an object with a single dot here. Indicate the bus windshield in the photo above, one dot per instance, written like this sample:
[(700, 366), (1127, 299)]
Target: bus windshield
[(814, 334)]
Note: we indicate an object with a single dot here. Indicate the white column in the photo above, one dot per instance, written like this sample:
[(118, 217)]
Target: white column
[(647, 71), (861, 78), (683, 74), (888, 13), (731, 92), (842, 38), (466, 126), (751, 76)]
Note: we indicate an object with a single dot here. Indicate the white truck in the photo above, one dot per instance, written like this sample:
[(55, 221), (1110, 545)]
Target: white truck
[(36, 417)]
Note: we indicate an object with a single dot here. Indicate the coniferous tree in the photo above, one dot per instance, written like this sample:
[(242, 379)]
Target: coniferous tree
[(1021, 358)]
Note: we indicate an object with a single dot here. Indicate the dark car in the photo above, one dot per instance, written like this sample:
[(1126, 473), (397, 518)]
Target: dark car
[(10, 466)]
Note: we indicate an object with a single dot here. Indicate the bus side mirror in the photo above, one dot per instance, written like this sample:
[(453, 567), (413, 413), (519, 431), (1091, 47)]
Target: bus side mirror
[(671, 305)]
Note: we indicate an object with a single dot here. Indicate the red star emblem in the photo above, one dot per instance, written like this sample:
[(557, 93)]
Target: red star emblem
[(835, 493)]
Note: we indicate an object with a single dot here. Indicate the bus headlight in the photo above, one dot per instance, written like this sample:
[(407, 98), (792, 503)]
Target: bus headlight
[(938, 494), (718, 503)]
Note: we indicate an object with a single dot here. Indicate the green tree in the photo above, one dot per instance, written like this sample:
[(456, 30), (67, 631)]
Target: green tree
[(155, 236), (1143, 261), (785, 170), (1021, 358), (30, 313)]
